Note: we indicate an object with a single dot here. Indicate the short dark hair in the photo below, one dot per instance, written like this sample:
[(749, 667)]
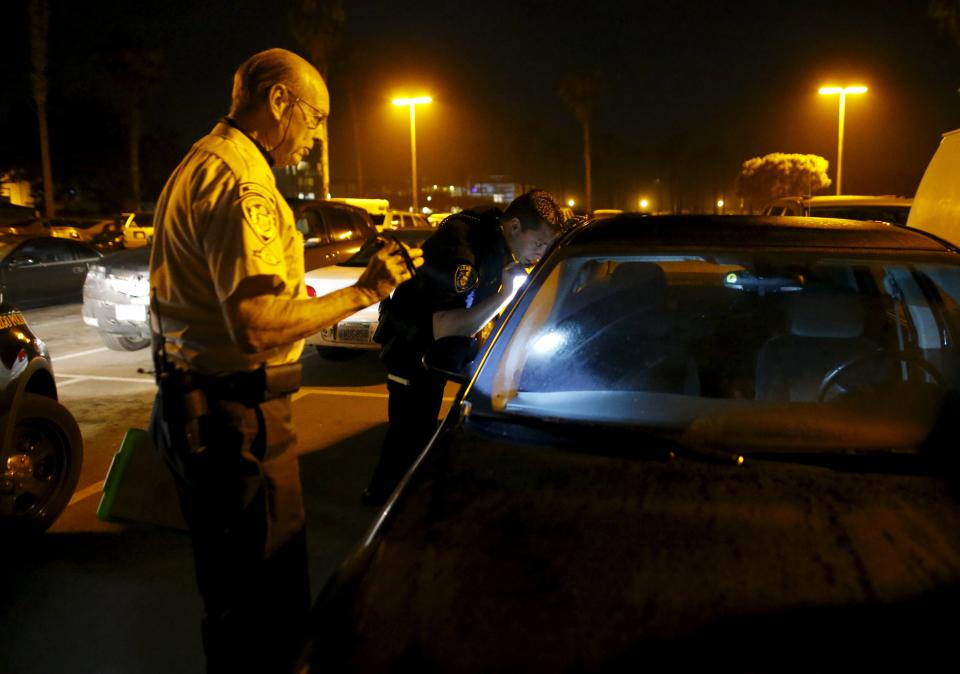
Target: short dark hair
[(535, 209), (260, 72)]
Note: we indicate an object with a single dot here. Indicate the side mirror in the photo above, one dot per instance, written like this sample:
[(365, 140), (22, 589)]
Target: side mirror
[(451, 357), (22, 262)]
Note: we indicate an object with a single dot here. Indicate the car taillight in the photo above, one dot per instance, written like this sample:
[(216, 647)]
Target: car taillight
[(311, 292)]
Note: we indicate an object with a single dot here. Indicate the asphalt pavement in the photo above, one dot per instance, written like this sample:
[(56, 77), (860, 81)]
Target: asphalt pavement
[(101, 597)]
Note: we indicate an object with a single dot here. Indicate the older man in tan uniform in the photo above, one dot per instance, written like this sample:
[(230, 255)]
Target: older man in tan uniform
[(230, 311)]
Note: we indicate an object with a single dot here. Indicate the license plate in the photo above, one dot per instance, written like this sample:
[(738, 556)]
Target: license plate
[(357, 333), (131, 312)]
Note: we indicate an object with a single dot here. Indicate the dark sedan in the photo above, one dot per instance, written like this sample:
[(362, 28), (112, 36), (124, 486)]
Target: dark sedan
[(41, 270), (690, 440)]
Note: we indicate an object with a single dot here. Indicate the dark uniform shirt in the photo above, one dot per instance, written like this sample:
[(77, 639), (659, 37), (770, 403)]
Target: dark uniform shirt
[(462, 265)]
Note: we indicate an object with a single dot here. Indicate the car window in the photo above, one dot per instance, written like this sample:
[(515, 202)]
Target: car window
[(680, 340), (339, 224), (361, 225), (311, 225), (44, 251)]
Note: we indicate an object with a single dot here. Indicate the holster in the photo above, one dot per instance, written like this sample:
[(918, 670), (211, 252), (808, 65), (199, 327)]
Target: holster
[(184, 406)]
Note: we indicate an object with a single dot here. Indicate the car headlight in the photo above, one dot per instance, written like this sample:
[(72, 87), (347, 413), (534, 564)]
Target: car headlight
[(97, 271)]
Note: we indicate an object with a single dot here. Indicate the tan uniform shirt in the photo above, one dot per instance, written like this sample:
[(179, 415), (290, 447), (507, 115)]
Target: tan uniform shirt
[(222, 230)]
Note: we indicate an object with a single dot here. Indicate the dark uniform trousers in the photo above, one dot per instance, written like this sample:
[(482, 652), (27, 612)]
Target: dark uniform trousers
[(242, 500), (412, 411)]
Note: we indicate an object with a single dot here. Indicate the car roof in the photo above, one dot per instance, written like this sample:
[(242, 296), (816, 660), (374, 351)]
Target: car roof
[(300, 205), (847, 200), (726, 231)]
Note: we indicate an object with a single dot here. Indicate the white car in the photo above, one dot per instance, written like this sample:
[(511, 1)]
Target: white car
[(356, 331), (892, 209)]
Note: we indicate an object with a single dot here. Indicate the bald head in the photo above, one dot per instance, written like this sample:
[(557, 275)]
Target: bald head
[(259, 73), (281, 101)]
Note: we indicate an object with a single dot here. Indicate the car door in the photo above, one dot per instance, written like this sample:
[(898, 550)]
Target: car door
[(63, 268), (316, 238), (46, 271)]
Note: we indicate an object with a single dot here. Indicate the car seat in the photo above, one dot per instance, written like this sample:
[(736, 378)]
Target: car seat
[(826, 331)]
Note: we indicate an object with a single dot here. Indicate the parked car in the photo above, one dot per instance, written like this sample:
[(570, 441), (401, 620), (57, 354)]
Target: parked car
[(376, 208), (403, 220), (41, 449), (936, 206), (40, 270), (436, 218), (355, 331), (116, 299), (137, 229), (705, 441), (103, 234), (116, 293), (332, 231), (887, 208)]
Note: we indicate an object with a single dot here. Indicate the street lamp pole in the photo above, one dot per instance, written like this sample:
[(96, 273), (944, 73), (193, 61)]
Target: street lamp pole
[(842, 91), (412, 103)]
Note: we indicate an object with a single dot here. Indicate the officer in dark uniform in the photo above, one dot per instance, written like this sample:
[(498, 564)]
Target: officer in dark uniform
[(466, 279)]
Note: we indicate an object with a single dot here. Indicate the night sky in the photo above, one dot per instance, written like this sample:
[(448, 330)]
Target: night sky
[(692, 89)]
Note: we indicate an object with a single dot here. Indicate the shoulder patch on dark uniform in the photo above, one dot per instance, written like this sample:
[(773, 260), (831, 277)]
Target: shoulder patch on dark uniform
[(259, 211), (465, 278)]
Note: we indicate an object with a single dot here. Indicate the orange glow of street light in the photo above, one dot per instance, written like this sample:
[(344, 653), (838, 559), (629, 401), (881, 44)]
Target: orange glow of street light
[(412, 103), (842, 92), (417, 100)]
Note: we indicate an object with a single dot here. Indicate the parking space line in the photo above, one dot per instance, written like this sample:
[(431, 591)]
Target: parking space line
[(76, 378), (56, 321), (86, 492), (79, 353)]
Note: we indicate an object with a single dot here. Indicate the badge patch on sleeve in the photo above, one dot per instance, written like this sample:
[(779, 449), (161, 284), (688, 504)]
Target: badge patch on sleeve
[(259, 211), (267, 256), (465, 278)]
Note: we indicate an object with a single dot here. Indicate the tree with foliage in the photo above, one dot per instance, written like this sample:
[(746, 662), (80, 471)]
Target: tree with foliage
[(580, 91), (39, 29), (318, 26), (947, 14), (778, 174)]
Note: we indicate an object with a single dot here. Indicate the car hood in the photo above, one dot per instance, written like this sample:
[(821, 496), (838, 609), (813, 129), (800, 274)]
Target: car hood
[(134, 260), (498, 556)]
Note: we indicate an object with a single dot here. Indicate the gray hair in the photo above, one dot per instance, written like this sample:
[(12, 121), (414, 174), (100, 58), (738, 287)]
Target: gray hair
[(260, 72)]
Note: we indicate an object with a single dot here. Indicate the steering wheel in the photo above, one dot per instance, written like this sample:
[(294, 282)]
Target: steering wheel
[(831, 380)]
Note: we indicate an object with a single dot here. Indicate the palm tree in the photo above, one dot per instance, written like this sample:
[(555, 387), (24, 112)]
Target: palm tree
[(581, 91), (39, 28), (135, 71), (317, 25)]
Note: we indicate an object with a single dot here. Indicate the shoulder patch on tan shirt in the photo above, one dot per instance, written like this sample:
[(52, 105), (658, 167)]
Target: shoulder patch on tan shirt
[(259, 211)]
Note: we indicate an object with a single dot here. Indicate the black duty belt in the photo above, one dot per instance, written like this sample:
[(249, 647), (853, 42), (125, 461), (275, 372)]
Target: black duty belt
[(256, 386)]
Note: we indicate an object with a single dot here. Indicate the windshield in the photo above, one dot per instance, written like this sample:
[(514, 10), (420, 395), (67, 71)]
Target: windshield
[(757, 349), (895, 214), (411, 237)]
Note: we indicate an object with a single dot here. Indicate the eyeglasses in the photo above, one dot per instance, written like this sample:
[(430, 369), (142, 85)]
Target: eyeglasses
[(312, 121)]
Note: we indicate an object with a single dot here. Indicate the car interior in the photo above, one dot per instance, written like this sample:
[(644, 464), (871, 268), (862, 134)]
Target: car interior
[(629, 332)]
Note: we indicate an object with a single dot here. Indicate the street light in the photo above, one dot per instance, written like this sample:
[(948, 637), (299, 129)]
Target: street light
[(842, 91), (413, 103)]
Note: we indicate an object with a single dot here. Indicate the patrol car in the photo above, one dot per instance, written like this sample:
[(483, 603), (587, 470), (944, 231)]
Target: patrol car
[(41, 449)]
